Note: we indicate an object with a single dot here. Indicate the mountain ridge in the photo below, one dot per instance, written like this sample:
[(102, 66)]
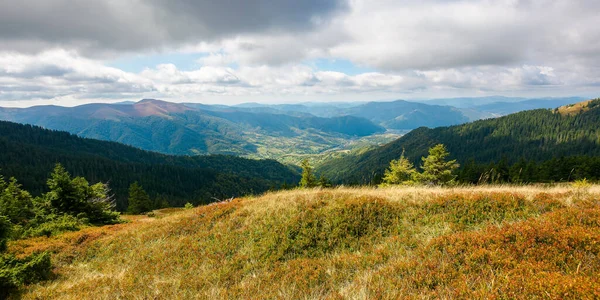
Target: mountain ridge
[(536, 135)]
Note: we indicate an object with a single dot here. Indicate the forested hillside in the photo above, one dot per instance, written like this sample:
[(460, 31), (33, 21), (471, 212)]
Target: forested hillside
[(29, 153), (536, 136)]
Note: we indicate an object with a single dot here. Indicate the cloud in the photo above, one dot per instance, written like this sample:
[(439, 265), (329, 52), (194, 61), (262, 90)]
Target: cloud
[(59, 73), (434, 34), (58, 49), (105, 26)]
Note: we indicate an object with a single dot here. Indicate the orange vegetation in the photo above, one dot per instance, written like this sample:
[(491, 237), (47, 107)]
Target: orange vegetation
[(487, 243)]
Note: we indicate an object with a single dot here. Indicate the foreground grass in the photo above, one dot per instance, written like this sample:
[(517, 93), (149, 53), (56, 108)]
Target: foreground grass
[(491, 242)]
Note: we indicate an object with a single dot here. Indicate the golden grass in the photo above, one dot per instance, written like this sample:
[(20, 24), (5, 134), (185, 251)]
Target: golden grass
[(343, 243), (573, 109)]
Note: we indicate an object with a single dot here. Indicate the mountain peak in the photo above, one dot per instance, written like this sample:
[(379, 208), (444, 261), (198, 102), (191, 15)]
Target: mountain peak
[(153, 107)]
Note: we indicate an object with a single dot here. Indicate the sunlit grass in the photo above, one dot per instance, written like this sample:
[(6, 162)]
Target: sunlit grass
[(353, 243)]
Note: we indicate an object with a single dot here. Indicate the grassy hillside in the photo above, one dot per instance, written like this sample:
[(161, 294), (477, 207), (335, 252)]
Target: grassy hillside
[(487, 242), (536, 135)]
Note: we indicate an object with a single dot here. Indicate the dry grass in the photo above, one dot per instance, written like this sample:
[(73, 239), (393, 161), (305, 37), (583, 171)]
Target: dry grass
[(573, 109), (346, 243)]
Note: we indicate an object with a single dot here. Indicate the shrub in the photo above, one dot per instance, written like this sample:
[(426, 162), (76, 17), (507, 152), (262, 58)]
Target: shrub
[(16, 272), (55, 224), (5, 229)]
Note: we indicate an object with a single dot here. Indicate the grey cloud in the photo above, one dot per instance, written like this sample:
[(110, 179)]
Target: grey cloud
[(96, 27)]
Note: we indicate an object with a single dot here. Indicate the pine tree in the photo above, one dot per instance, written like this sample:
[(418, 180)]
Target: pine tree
[(308, 179), (15, 203), (139, 201), (75, 196), (400, 171), (436, 170), (324, 182), (66, 194)]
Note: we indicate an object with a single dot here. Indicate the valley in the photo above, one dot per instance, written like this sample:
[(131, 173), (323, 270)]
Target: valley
[(288, 133)]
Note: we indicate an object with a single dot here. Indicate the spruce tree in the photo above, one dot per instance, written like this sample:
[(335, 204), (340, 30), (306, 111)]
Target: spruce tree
[(308, 179), (139, 201), (436, 170), (324, 182), (400, 171)]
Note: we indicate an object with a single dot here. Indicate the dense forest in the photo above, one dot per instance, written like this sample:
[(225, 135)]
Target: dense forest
[(549, 145), (29, 153)]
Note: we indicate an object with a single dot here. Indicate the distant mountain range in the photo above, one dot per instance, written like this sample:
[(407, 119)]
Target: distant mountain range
[(475, 102), (537, 135), (179, 129), (261, 130)]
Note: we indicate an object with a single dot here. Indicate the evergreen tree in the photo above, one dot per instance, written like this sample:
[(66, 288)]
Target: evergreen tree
[(65, 195), (324, 182), (436, 170), (139, 201), (76, 197), (308, 179), (400, 171), (15, 203)]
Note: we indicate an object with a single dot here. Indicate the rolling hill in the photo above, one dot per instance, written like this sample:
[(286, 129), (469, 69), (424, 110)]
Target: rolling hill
[(402, 243), (536, 135), (29, 153)]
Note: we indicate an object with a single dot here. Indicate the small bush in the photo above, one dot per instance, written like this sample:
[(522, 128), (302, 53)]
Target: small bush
[(5, 231), (581, 184), (189, 206), (54, 225), (17, 272)]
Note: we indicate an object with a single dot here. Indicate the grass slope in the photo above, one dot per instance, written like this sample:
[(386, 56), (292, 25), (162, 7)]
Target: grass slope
[(491, 242)]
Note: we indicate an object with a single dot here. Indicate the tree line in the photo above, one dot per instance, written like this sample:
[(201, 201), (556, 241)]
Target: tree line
[(28, 152)]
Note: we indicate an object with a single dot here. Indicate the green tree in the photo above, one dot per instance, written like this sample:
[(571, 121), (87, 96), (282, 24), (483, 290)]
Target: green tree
[(139, 201), (15, 203), (76, 197), (308, 179), (324, 182), (436, 170), (400, 171)]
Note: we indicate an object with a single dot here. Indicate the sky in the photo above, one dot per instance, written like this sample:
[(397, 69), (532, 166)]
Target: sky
[(70, 52)]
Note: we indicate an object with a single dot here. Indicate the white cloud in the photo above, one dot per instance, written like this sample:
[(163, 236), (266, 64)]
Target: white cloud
[(415, 48)]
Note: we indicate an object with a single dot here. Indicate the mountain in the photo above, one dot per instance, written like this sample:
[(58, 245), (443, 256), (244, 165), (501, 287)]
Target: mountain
[(174, 128), (394, 115), (505, 108), (404, 115), (536, 135), (29, 154), (468, 102)]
